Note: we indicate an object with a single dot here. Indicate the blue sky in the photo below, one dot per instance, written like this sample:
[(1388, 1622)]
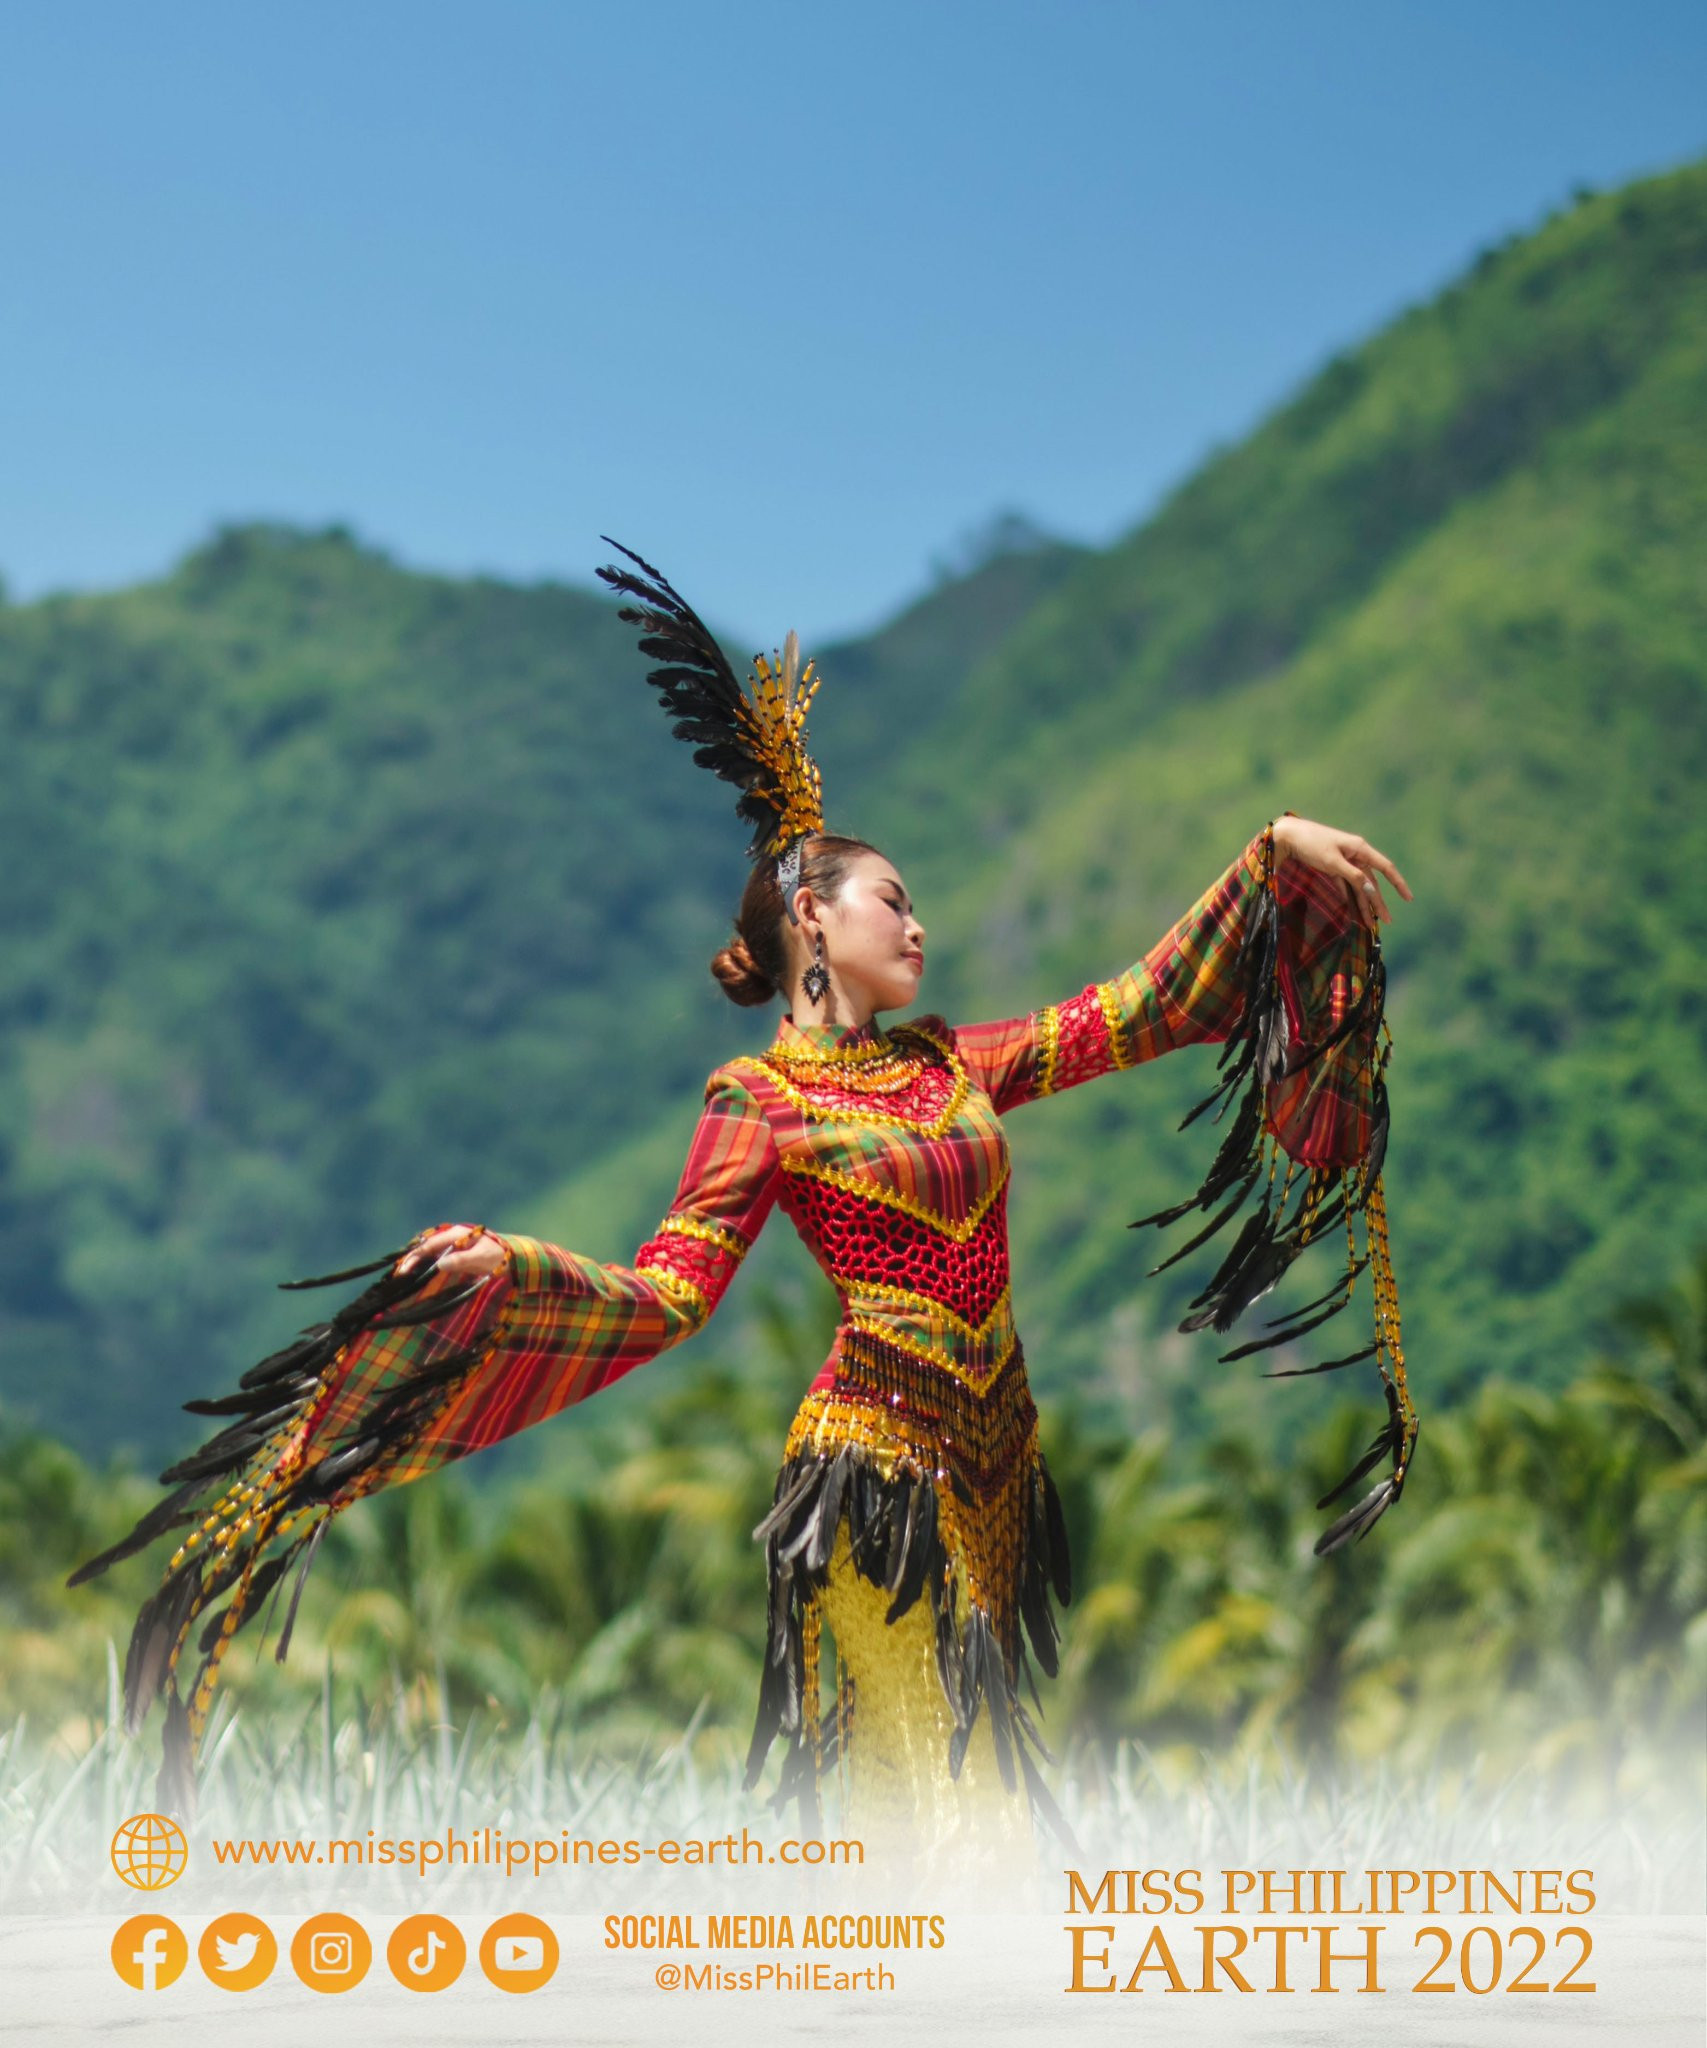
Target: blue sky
[(790, 298)]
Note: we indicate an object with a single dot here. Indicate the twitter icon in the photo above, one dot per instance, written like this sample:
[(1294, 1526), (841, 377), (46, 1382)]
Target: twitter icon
[(237, 1951)]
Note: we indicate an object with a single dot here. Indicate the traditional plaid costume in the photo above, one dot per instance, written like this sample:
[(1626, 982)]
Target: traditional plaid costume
[(913, 1509)]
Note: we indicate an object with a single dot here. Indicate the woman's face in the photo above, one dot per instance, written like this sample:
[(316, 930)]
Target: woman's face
[(874, 946)]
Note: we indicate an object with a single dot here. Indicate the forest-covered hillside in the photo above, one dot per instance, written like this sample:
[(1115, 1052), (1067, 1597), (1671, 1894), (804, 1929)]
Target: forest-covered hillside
[(345, 898)]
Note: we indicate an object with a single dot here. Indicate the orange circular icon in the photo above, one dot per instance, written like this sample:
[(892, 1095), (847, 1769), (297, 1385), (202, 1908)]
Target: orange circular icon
[(331, 1952), (149, 1952), (426, 1952), (149, 1851), (518, 1953), (237, 1952)]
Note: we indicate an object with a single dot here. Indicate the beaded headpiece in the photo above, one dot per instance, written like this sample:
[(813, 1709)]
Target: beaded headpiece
[(755, 739)]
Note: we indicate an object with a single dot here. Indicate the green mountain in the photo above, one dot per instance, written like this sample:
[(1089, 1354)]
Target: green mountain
[(1450, 597), (336, 910), (345, 899)]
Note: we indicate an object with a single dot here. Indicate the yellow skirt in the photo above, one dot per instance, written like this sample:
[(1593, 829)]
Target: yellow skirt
[(894, 1730), (904, 1491)]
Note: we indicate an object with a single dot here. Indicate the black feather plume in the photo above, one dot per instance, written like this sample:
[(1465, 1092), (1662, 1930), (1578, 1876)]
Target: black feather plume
[(696, 686)]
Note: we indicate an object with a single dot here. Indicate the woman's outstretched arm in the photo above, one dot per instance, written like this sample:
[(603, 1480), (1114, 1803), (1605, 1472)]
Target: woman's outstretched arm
[(561, 1326), (1190, 987), (1279, 958), (417, 1371)]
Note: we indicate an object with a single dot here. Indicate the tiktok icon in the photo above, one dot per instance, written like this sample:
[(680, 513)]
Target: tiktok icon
[(426, 1952)]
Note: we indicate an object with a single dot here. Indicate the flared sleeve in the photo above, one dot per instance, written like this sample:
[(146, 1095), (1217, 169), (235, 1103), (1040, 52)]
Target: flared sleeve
[(406, 1378), (1272, 963), (1190, 989), (573, 1325)]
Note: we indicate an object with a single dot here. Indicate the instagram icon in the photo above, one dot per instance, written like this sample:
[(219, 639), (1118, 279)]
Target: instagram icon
[(331, 1952)]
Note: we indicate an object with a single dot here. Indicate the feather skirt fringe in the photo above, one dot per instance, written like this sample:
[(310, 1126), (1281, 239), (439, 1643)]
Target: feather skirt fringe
[(901, 1538)]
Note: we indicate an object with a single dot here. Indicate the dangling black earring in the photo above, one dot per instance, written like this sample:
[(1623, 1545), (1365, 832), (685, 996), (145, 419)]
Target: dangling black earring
[(816, 980)]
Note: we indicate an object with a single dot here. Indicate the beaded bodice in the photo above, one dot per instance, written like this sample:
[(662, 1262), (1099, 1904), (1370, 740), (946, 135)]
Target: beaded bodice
[(893, 1167)]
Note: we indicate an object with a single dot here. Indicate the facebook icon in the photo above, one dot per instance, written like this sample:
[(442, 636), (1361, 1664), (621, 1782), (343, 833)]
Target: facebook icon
[(150, 1952), (150, 1956)]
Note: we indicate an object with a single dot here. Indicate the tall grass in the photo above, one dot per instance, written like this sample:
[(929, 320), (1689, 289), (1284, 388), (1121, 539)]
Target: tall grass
[(405, 1770)]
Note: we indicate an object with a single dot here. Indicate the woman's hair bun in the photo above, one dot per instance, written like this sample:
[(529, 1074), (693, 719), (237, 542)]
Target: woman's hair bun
[(740, 976)]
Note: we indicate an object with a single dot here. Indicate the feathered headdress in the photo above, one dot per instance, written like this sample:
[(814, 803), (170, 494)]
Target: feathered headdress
[(756, 740)]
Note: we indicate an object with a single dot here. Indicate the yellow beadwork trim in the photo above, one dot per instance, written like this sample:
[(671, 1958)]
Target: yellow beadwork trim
[(855, 1184), (883, 1077), (825, 1113), (825, 1422), (1387, 1304), (719, 1234), (811, 1706), (981, 1545), (673, 1283), (933, 1354), (1112, 1018), (1049, 1047), (927, 1304), (216, 1524), (836, 1055), (202, 1697), (830, 1419)]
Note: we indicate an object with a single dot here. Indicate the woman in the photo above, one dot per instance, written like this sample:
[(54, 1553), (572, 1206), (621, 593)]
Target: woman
[(914, 1511)]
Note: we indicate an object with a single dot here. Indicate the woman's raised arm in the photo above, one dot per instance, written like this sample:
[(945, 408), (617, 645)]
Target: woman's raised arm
[(1191, 986), (1280, 955)]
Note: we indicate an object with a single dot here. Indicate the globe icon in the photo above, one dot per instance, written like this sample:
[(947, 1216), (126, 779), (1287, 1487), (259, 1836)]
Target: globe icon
[(150, 1851)]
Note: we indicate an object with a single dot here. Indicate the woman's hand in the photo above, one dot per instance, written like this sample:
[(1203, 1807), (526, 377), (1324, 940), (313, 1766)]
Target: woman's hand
[(477, 1254), (1344, 854)]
